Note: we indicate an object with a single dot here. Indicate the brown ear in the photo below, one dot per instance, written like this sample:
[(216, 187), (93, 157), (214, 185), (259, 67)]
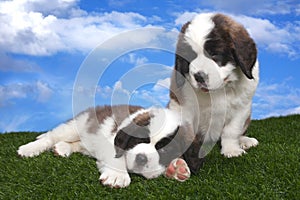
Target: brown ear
[(184, 55), (136, 132), (142, 119), (244, 52), (121, 141), (242, 45), (244, 49)]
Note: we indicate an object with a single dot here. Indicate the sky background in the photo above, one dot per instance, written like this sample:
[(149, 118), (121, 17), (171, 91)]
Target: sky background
[(58, 57)]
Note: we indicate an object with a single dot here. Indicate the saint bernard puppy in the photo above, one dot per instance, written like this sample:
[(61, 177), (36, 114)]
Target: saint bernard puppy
[(121, 138), (215, 77)]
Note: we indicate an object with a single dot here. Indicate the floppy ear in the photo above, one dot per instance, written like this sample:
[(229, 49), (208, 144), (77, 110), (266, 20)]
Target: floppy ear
[(245, 53), (243, 46), (136, 132), (121, 141), (184, 55)]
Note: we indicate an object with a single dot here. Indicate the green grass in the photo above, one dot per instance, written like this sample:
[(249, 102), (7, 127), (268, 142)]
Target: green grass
[(269, 171)]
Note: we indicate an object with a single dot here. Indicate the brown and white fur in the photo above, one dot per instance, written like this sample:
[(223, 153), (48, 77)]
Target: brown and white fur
[(121, 138), (215, 77)]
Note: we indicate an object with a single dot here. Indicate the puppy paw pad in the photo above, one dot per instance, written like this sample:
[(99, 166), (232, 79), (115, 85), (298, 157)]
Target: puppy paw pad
[(178, 169)]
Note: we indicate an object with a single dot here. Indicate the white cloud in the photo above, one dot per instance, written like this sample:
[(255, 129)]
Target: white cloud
[(16, 65), (43, 6), (258, 7), (295, 110), (44, 92), (104, 92), (135, 59), (118, 87), (13, 91), (162, 84), (157, 96), (284, 112), (275, 100), (279, 39), (297, 9), (37, 91), (185, 17), (37, 28), (14, 124)]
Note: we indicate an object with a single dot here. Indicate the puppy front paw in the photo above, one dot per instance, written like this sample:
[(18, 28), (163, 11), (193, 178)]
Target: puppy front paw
[(31, 149), (62, 149), (115, 179), (230, 152), (247, 142), (178, 169)]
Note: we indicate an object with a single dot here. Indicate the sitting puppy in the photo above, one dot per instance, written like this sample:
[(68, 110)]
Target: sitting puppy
[(121, 138), (214, 80)]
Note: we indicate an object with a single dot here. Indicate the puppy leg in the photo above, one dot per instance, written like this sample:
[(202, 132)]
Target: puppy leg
[(231, 148), (233, 143), (114, 173), (65, 149), (247, 142), (230, 141), (64, 132)]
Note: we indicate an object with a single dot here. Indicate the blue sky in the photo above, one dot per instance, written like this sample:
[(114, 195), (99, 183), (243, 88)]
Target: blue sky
[(58, 57)]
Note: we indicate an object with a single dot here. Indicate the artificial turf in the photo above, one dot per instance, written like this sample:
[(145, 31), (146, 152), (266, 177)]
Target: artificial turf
[(269, 171)]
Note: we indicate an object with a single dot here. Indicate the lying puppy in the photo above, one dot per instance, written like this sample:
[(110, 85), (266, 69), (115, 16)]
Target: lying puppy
[(121, 138)]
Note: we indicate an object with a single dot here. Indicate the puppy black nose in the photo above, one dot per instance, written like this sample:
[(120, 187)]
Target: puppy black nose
[(200, 77), (141, 159)]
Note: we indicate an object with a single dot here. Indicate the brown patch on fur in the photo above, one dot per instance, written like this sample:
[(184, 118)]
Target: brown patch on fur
[(184, 27), (229, 41), (142, 119), (98, 114), (123, 111), (174, 97)]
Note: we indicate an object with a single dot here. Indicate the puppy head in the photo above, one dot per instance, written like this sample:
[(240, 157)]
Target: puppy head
[(148, 142), (218, 48)]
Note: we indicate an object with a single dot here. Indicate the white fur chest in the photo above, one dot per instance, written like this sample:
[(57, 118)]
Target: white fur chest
[(210, 112)]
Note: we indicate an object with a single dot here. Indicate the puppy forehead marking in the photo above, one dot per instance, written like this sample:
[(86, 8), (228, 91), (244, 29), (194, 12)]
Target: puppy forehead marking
[(99, 114), (195, 35), (142, 119)]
